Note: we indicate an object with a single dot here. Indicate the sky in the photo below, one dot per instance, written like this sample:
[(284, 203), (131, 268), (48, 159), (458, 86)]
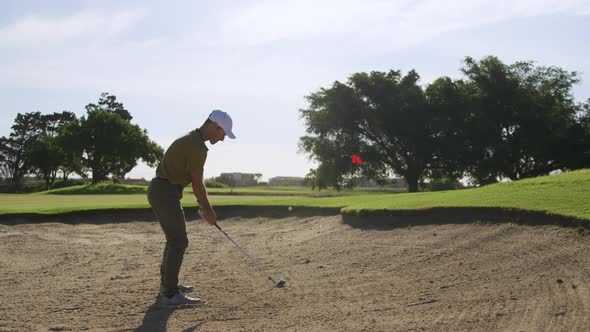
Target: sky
[(171, 62)]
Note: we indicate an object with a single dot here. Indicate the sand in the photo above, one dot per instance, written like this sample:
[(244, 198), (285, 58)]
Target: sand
[(341, 276)]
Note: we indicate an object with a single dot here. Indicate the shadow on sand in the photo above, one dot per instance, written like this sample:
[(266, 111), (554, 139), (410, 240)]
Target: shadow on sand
[(220, 315), (156, 317), (385, 220)]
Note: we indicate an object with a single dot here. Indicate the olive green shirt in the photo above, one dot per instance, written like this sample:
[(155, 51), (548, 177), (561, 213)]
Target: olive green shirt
[(185, 157)]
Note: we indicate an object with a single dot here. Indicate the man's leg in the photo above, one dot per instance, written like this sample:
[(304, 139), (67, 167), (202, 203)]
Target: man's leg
[(162, 264), (174, 228), (165, 201)]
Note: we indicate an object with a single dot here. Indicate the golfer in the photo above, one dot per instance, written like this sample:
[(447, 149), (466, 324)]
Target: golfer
[(182, 164)]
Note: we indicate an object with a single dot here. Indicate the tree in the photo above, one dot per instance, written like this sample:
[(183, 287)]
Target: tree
[(32, 147), (46, 156), (323, 176), (257, 177), (108, 142), (53, 123), (67, 140), (310, 179), (72, 159), (382, 115), (333, 163), (521, 119), (501, 121), (16, 148), (452, 103), (110, 104), (577, 153), (4, 169)]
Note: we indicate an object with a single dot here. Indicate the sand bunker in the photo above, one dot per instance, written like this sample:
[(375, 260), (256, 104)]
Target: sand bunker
[(340, 277)]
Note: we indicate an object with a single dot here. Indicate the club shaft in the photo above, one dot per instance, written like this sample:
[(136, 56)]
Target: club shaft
[(234, 242), (237, 245)]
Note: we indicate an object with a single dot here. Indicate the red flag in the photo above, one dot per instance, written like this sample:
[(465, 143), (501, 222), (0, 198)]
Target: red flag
[(356, 159)]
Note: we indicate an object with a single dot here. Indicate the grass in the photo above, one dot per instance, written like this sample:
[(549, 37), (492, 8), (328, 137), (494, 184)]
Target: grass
[(564, 194), (299, 191), (103, 188), (55, 204), (106, 188)]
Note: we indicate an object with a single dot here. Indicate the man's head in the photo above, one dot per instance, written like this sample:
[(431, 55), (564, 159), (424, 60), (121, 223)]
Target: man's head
[(217, 126)]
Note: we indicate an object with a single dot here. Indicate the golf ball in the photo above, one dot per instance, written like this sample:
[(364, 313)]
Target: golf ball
[(290, 208)]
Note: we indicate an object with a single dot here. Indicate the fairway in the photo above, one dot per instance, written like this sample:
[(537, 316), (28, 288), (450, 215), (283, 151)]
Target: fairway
[(565, 194), (341, 276), (54, 204)]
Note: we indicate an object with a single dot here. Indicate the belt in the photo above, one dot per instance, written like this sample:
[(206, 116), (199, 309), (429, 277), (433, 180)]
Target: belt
[(180, 188)]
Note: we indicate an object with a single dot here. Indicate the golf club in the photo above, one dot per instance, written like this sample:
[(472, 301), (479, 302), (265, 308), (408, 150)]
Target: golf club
[(278, 283)]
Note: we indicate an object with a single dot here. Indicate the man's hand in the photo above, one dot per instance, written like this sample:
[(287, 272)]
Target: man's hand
[(209, 215), (205, 210)]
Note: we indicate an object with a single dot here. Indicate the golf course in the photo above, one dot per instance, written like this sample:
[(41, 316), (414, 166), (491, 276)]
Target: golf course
[(295, 166), (509, 256)]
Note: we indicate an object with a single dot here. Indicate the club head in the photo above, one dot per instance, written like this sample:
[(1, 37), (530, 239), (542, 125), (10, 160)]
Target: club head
[(281, 283)]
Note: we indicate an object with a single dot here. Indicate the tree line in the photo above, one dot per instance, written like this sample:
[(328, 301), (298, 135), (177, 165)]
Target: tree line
[(103, 142), (499, 121)]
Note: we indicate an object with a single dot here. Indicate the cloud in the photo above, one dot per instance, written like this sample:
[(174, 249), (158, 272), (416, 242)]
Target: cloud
[(271, 21), (402, 23), (268, 21), (240, 49), (84, 27), (584, 10)]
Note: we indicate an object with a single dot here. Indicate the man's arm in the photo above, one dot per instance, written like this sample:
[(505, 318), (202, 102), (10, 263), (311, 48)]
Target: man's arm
[(201, 194)]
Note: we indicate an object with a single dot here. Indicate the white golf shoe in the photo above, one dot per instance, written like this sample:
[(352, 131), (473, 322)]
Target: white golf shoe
[(179, 299)]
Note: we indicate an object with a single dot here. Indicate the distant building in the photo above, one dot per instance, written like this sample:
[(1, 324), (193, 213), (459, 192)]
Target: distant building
[(239, 179), (285, 181)]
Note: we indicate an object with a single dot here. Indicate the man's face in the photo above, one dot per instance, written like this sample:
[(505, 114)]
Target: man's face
[(218, 134)]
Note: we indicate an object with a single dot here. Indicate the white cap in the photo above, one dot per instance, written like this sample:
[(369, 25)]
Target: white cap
[(224, 121)]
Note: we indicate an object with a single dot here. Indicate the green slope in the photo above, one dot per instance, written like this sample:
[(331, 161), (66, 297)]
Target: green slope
[(565, 194)]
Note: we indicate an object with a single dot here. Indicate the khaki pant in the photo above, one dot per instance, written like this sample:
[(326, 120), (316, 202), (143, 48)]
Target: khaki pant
[(164, 198)]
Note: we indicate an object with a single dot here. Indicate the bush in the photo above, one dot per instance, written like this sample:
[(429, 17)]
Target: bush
[(7, 188), (30, 186), (440, 184), (215, 184), (68, 183)]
